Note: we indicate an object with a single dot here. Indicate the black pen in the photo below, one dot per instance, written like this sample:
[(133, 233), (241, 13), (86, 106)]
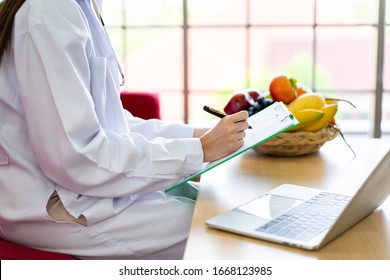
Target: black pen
[(216, 113)]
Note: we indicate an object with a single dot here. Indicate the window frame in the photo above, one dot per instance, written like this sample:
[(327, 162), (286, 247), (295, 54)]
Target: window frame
[(381, 26)]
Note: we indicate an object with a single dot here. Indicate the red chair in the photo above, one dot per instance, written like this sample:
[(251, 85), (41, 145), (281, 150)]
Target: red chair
[(12, 251), (145, 105)]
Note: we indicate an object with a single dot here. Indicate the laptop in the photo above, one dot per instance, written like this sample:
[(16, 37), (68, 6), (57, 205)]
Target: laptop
[(306, 217)]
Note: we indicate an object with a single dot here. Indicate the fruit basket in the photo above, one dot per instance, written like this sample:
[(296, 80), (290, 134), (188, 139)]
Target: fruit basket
[(297, 143), (315, 112)]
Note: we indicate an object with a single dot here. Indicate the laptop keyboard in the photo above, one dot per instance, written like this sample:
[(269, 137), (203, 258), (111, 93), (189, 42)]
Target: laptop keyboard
[(309, 218)]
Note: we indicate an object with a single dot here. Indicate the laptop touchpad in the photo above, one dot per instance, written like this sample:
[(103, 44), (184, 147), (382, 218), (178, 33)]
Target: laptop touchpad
[(269, 206)]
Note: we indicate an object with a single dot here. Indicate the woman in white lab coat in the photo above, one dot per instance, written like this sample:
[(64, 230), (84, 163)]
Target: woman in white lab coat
[(78, 174)]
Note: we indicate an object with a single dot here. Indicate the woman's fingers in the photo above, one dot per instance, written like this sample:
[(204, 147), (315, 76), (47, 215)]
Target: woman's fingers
[(226, 137), (241, 119), (241, 116)]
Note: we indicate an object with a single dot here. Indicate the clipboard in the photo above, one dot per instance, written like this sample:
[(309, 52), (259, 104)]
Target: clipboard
[(265, 124)]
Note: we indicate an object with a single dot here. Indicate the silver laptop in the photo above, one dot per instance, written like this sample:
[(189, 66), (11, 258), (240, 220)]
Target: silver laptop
[(306, 217)]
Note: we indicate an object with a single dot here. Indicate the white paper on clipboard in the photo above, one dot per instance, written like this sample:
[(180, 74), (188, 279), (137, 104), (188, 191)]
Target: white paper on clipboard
[(266, 124)]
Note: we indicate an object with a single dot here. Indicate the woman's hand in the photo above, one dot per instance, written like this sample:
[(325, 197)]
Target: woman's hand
[(199, 132), (226, 137)]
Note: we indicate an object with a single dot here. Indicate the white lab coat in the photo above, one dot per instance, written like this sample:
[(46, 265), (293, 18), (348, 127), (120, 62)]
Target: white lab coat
[(63, 129)]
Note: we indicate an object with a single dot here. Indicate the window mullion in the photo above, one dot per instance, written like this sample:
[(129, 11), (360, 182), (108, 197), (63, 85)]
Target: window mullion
[(186, 91), (376, 131)]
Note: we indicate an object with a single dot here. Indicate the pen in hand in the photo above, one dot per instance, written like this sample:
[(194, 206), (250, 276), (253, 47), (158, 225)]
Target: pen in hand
[(216, 113)]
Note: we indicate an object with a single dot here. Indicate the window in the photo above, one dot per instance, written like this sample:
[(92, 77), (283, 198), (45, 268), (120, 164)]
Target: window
[(196, 52)]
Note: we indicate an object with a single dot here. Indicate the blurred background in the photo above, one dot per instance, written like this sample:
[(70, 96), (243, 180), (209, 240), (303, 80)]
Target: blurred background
[(197, 52)]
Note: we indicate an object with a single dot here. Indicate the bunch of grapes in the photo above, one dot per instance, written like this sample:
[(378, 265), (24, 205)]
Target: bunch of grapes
[(251, 100), (261, 103)]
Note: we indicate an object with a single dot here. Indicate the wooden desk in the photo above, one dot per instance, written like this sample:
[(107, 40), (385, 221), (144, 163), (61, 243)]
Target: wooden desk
[(249, 175)]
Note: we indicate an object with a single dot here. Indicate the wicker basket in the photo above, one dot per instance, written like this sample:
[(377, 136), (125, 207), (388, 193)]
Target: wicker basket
[(297, 143)]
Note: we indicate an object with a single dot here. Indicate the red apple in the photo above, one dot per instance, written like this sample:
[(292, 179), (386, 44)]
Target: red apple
[(253, 94), (238, 102)]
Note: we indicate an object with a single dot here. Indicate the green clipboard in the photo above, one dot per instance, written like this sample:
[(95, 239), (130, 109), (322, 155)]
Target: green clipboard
[(266, 124)]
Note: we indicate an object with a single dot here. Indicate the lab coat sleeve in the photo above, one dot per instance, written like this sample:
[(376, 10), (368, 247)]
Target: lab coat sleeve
[(100, 5), (156, 128), (70, 145)]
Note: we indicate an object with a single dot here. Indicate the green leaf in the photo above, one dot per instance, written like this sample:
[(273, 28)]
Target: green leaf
[(343, 100), (294, 83), (342, 136)]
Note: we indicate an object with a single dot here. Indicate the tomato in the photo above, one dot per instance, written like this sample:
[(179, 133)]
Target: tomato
[(282, 88)]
